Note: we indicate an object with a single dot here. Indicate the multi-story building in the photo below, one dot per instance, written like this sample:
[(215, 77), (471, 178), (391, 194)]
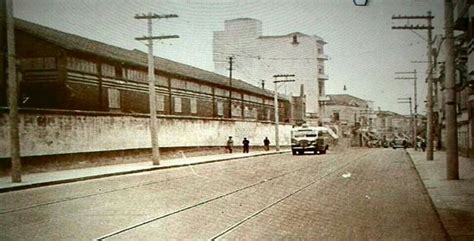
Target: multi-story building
[(464, 65), (348, 114), (258, 58)]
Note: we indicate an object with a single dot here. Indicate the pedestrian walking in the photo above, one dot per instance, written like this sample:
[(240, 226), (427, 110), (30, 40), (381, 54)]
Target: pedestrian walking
[(423, 145), (246, 144), (266, 144), (230, 144)]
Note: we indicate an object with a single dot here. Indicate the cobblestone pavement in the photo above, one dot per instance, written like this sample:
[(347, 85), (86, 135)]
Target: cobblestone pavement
[(356, 194)]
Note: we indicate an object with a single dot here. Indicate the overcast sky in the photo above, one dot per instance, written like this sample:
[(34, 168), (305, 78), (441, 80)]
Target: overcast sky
[(364, 52)]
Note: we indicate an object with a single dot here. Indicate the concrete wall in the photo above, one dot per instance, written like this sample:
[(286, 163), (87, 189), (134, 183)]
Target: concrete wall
[(67, 132)]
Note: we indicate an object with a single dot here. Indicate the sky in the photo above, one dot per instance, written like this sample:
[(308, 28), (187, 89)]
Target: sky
[(364, 52)]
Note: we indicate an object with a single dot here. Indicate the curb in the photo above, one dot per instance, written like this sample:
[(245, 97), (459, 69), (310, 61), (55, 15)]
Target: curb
[(153, 168), (433, 206)]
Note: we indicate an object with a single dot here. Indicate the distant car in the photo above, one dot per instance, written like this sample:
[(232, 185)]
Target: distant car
[(398, 143)]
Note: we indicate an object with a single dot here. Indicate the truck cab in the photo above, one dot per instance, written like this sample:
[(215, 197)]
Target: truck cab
[(314, 139)]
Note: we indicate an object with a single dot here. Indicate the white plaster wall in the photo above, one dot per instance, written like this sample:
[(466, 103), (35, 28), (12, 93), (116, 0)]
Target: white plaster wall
[(48, 134)]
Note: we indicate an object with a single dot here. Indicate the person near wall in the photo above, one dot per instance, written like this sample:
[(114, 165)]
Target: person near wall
[(230, 144), (246, 144), (266, 144)]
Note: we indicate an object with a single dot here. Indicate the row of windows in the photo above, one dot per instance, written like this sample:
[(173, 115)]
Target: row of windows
[(81, 65), (142, 76), (138, 75), (38, 63), (250, 112)]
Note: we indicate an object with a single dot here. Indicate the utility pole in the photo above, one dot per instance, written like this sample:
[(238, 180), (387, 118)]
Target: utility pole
[(276, 81), (429, 27), (151, 79), (231, 61), (13, 96), (415, 105), (450, 102), (404, 101)]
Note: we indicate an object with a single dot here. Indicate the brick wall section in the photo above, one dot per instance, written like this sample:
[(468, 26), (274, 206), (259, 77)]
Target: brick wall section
[(65, 132)]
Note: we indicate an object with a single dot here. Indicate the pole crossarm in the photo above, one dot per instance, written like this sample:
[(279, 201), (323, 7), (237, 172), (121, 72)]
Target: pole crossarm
[(412, 17), (154, 16), (412, 27), (157, 37)]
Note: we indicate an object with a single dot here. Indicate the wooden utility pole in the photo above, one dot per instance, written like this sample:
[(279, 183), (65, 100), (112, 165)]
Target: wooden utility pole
[(231, 61), (450, 97), (415, 104), (151, 80), (3, 54), (13, 96), (413, 129), (276, 81), (429, 27)]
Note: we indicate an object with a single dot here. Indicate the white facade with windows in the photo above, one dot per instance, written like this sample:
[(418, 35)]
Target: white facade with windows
[(257, 57)]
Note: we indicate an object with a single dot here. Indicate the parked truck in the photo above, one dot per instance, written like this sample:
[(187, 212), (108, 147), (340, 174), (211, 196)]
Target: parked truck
[(314, 139)]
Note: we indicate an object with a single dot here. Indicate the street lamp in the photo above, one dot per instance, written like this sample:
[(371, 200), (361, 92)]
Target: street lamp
[(277, 144)]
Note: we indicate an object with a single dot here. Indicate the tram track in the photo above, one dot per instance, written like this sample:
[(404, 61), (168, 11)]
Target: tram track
[(239, 190), (67, 199)]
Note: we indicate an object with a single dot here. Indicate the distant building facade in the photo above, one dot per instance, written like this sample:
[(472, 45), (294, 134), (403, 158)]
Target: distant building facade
[(257, 58), (394, 125), (351, 115)]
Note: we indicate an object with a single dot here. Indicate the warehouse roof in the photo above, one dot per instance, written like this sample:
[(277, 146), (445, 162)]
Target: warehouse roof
[(134, 57)]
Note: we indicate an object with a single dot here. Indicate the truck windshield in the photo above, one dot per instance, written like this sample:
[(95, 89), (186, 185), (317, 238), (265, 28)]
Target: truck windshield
[(305, 133)]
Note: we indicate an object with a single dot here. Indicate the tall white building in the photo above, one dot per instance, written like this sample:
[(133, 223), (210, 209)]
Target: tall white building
[(257, 57)]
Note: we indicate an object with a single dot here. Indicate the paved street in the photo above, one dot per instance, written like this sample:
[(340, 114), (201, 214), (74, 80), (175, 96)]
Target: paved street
[(356, 194)]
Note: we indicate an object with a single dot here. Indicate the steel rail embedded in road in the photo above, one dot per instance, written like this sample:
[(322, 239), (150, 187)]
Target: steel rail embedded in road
[(236, 225), (67, 199), (151, 220), (197, 204)]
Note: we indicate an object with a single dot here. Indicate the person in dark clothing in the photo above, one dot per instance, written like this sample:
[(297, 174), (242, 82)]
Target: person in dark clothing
[(266, 144), (423, 145), (246, 144)]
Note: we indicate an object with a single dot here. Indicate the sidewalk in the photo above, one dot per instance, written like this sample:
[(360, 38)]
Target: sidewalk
[(454, 200), (57, 177)]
